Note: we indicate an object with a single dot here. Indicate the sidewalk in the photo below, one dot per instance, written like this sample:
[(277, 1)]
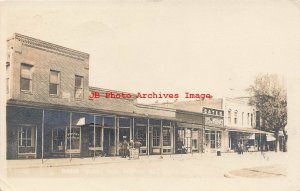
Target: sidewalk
[(204, 157), (60, 162)]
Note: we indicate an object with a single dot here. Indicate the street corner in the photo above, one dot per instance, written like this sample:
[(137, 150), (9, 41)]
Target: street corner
[(5, 186), (270, 171)]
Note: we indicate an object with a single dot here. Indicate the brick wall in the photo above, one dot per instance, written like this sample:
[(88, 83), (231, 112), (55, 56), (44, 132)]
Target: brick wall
[(44, 56)]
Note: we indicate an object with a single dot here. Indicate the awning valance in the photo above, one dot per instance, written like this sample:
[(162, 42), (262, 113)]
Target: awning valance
[(246, 130)]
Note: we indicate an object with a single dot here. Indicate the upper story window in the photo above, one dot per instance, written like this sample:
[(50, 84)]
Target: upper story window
[(248, 115), (251, 120), (229, 117), (242, 118), (7, 77), (235, 117), (78, 87), (54, 82), (26, 77)]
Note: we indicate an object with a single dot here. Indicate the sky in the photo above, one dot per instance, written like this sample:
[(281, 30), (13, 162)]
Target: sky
[(168, 46)]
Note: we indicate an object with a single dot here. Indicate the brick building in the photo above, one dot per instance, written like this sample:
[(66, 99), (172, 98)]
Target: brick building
[(50, 113)]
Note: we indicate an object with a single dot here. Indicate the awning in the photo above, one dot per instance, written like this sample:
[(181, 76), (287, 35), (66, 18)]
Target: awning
[(252, 136), (270, 138), (246, 130)]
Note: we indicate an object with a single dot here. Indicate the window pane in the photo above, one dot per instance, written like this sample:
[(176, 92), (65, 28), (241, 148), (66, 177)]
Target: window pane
[(28, 143), (26, 71), (166, 137), (29, 132), (25, 84), (53, 89), (7, 85), (23, 143), (78, 81), (124, 122), (54, 77), (78, 93), (156, 136)]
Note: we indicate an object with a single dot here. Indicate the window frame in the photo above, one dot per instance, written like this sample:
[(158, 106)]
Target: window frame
[(58, 83), (235, 117), (30, 79), (229, 117), (76, 88), (33, 139)]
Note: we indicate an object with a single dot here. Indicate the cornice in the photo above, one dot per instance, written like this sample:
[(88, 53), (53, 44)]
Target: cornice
[(49, 47)]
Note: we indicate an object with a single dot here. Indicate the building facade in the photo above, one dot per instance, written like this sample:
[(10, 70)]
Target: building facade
[(50, 112), (239, 123)]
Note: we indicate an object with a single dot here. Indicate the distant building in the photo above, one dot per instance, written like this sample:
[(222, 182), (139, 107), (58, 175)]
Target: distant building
[(239, 122)]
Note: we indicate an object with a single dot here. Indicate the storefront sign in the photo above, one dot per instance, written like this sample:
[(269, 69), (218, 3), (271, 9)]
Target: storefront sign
[(211, 111), (214, 121), (74, 135)]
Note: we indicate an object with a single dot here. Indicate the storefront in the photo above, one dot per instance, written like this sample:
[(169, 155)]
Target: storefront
[(189, 138), (250, 139), (213, 140)]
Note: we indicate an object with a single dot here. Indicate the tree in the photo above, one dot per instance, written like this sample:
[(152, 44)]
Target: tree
[(269, 95)]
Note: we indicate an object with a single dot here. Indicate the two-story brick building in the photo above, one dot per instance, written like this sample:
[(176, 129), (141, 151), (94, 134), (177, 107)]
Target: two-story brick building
[(50, 114)]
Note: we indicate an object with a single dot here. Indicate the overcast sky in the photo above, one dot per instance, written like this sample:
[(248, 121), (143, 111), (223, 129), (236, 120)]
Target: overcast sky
[(169, 46)]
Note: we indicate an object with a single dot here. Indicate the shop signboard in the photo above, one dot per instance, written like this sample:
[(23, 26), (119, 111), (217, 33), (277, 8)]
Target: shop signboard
[(214, 121), (210, 111)]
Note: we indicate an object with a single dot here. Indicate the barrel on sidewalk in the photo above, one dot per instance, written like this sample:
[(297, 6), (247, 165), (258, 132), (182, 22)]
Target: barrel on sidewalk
[(218, 153)]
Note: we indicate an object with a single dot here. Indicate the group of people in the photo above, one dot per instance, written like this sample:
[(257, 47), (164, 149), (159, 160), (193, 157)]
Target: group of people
[(125, 146)]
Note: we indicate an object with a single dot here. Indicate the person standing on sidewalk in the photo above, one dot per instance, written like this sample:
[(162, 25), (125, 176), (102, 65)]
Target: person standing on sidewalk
[(242, 148), (124, 148)]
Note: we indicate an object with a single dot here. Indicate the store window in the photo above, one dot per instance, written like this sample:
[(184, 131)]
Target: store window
[(96, 135), (179, 137), (26, 137), (54, 82), (58, 140), (26, 77), (156, 136), (195, 136), (212, 140), (166, 136), (140, 134), (124, 129), (207, 138), (78, 87), (74, 135), (219, 139), (229, 117)]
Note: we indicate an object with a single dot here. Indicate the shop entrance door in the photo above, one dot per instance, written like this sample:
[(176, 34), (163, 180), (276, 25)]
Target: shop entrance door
[(108, 141)]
